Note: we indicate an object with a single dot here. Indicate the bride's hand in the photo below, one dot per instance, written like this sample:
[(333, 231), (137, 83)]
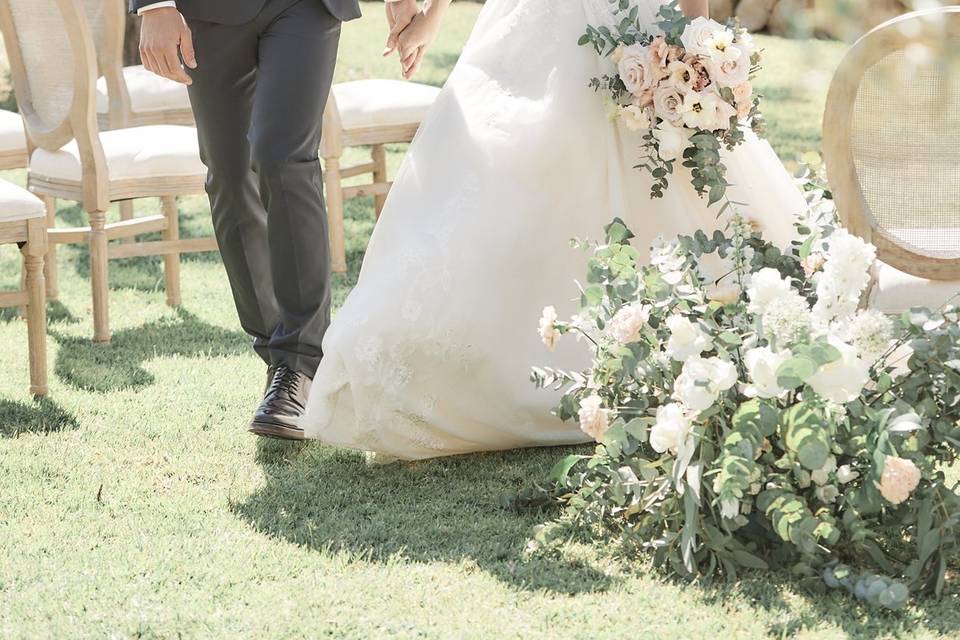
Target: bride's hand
[(419, 35)]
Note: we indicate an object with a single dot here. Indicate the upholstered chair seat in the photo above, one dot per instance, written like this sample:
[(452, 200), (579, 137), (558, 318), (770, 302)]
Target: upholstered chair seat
[(13, 141), (149, 93), (382, 103), (137, 153), (18, 204)]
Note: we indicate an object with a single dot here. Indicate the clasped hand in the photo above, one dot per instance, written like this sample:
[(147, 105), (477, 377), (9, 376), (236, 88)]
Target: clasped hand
[(412, 31)]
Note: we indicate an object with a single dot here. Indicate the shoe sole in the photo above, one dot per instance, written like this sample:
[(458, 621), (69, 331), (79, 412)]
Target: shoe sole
[(267, 430)]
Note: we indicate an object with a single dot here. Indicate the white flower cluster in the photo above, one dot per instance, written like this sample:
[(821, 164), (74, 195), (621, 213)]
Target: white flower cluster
[(845, 276)]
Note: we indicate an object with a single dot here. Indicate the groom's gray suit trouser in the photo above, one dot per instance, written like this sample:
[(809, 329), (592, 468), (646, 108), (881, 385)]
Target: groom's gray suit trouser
[(258, 94)]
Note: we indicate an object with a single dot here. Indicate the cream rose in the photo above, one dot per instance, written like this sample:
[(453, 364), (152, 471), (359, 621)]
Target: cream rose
[(730, 72), (723, 293), (698, 34), (636, 69), (548, 328), (593, 417), (671, 140), (667, 102), (898, 480)]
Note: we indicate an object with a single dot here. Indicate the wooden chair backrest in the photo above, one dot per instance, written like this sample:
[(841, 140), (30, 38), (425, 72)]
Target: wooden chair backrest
[(53, 63), (891, 140)]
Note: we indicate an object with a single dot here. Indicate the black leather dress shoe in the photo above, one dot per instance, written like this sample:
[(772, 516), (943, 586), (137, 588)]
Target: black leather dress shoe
[(271, 371), (283, 405)]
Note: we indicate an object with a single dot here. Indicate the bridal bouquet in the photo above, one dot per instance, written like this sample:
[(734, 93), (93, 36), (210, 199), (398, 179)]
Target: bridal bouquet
[(688, 89), (749, 414)]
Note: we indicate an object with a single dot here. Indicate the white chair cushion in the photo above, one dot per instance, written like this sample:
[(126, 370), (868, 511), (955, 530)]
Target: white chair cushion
[(155, 151), (148, 92), (12, 137), (375, 103), (896, 291), (16, 203)]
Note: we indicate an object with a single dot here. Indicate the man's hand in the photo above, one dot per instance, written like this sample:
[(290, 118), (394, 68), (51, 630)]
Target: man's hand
[(399, 15), (164, 37)]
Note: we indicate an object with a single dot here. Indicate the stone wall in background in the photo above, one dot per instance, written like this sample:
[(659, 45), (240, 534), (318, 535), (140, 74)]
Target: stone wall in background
[(840, 19)]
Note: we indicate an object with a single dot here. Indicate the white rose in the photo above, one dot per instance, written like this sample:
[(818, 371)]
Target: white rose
[(702, 380), (634, 118), (593, 417), (762, 364), (637, 70), (766, 288), (730, 72), (671, 429), (698, 33), (666, 104), (672, 141), (845, 474), (841, 381), (686, 338), (548, 329)]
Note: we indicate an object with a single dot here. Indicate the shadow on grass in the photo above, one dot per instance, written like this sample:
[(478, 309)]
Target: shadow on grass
[(119, 364), (143, 273), (39, 416), (766, 590), (443, 510)]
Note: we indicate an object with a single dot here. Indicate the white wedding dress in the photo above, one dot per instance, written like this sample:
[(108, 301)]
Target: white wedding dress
[(431, 353)]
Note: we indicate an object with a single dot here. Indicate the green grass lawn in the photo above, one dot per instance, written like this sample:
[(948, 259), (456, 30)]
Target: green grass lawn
[(133, 504)]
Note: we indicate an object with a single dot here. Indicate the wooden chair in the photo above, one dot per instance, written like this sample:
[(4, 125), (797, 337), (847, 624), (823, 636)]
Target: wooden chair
[(892, 147), (13, 141), (366, 112), (23, 221), (129, 96), (53, 64)]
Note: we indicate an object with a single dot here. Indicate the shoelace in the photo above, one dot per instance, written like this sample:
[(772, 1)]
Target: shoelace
[(286, 382)]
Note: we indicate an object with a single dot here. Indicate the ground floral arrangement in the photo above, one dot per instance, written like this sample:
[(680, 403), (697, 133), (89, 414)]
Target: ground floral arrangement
[(687, 88), (750, 414)]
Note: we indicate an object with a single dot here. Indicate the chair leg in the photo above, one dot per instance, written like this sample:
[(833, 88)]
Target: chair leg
[(98, 276), (379, 156), (126, 213), (171, 261), (33, 254), (50, 262), (331, 178)]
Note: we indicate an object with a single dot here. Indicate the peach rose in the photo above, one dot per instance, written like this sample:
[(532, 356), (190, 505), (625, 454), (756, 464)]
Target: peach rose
[(593, 417), (637, 70), (900, 477)]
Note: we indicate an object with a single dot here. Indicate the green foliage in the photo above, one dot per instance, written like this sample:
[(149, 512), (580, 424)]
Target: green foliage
[(787, 479)]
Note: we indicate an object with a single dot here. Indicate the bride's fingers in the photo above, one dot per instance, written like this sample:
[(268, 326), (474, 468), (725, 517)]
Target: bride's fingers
[(408, 59)]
